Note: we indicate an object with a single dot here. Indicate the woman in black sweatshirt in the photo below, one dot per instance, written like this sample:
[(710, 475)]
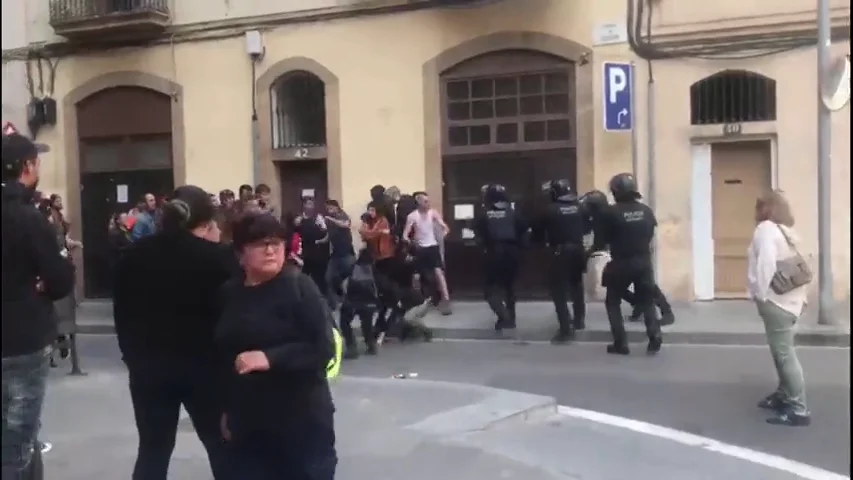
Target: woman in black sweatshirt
[(276, 337), (165, 305)]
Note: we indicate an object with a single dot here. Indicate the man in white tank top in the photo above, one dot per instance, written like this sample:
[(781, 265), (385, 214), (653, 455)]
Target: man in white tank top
[(421, 231)]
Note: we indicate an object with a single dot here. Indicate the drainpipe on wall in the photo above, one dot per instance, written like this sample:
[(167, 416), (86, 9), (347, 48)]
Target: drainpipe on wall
[(256, 131), (651, 134), (255, 48)]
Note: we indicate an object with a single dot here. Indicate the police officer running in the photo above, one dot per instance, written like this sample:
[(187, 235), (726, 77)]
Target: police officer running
[(628, 227), (562, 227), (500, 231)]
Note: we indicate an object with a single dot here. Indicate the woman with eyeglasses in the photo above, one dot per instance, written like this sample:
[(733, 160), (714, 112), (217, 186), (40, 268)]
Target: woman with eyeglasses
[(277, 338)]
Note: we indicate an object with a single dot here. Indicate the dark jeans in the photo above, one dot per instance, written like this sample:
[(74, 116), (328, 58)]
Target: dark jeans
[(24, 384), (365, 314), (394, 282), (158, 388), (500, 273), (303, 451), (314, 265), (338, 270)]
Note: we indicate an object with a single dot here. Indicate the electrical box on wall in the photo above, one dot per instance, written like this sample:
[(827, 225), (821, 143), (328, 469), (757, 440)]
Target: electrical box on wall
[(254, 44), (35, 112), (49, 111)]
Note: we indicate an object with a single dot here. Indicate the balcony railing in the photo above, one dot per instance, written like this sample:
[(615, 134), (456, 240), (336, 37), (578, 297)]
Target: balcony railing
[(71, 18)]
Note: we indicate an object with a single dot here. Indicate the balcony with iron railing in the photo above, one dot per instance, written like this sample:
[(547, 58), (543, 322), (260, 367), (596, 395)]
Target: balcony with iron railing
[(106, 20)]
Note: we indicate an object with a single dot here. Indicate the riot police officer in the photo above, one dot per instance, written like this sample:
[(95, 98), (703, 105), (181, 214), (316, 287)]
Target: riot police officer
[(594, 202), (562, 227), (629, 227), (500, 232)]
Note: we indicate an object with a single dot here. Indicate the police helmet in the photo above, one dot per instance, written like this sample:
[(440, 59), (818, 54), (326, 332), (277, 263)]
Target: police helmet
[(494, 195), (561, 191), (624, 185), (594, 198)]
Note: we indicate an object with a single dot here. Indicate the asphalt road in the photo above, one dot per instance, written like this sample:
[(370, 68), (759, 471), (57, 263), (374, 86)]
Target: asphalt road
[(705, 390)]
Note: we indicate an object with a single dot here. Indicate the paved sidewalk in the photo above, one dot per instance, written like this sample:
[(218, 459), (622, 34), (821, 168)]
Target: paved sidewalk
[(731, 322), (399, 429)]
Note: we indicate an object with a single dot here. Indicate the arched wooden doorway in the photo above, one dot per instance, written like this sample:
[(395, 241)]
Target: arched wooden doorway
[(125, 145), (298, 102), (507, 117)]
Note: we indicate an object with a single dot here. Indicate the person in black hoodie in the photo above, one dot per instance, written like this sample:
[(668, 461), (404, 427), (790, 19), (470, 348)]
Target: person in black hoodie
[(165, 305), (35, 274), (314, 231), (276, 336)]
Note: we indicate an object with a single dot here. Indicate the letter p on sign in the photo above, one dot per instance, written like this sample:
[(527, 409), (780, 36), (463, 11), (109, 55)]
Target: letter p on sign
[(618, 83)]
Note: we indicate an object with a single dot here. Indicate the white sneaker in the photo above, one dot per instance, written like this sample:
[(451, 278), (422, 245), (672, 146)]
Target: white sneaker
[(46, 447), (417, 312)]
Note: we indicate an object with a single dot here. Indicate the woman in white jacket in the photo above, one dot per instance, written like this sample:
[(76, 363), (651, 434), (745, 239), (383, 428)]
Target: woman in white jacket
[(774, 240)]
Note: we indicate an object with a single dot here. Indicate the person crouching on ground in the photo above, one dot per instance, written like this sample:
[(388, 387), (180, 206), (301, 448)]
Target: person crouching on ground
[(276, 337), (361, 299)]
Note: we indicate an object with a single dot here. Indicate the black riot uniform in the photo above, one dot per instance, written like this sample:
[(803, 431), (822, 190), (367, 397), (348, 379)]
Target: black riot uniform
[(594, 202), (562, 227), (628, 227), (500, 230)]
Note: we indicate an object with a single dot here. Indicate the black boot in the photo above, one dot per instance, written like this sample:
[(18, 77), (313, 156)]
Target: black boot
[(618, 348), (563, 337), (654, 345)]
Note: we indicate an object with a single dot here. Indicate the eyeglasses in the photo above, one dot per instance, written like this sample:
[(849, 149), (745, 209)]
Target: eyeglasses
[(267, 243)]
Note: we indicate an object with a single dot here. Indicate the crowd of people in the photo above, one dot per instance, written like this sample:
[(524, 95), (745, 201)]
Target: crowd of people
[(224, 306)]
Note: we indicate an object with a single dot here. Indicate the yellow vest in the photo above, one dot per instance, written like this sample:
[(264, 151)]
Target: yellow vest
[(334, 366)]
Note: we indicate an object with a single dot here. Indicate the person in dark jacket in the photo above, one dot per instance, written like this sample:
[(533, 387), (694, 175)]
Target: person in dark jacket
[(361, 300), (165, 305), (276, 338), (35, 274)]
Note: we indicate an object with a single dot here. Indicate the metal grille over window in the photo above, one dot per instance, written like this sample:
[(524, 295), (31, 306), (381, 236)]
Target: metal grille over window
[(299, 111), (514, 112), (733, 96)]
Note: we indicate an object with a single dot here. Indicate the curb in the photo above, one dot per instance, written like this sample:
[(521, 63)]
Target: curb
[(809, 339), (806, 339)]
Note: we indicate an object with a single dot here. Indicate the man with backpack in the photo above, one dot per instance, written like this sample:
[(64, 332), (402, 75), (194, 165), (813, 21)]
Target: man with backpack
[(361, 299)]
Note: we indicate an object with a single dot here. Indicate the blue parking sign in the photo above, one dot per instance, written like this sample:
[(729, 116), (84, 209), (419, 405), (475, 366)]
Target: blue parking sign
[(617, 93)]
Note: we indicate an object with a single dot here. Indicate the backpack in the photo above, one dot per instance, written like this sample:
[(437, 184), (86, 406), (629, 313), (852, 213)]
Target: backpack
[(361, 286), (333, 335)]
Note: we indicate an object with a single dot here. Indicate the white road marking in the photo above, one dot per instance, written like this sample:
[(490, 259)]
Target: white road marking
[(793, 467)]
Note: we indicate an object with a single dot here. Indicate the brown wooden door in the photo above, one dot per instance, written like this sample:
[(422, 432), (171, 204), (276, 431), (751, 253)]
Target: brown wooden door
[(522, 174), (740, 173), (300, 179)]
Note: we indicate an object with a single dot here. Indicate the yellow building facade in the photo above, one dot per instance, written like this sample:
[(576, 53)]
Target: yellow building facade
[(388, 83)]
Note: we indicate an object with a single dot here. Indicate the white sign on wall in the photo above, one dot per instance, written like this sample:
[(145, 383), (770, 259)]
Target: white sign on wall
[(612, 33)]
